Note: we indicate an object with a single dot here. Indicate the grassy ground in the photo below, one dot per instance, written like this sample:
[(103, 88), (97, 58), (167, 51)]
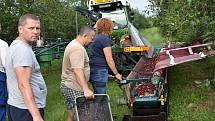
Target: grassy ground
[(152, 35), (55, 109), (188, 101)]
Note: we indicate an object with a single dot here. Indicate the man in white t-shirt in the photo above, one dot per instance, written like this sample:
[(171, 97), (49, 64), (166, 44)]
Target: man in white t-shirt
[(3, 89)]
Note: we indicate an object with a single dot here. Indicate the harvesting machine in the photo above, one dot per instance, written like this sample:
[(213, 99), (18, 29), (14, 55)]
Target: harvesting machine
[(146, 85)]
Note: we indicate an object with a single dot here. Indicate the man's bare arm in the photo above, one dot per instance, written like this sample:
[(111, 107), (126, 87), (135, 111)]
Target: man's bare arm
[(23, 75), (82, 81)]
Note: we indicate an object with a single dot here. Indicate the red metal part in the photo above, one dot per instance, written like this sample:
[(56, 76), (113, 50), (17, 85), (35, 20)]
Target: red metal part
[(173, 56)]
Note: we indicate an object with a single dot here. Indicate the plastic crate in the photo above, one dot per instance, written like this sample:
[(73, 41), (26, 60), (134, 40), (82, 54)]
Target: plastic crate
[(97, 109)]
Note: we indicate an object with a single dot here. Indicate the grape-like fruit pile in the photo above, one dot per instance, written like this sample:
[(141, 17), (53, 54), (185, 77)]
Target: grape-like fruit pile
[(144, 89)]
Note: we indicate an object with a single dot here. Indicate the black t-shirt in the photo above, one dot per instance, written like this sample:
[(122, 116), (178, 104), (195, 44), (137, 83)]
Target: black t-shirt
[(96, 54)]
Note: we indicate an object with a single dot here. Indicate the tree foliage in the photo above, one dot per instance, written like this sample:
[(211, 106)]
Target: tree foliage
[(58, 17), (185, 20), (141, 21)]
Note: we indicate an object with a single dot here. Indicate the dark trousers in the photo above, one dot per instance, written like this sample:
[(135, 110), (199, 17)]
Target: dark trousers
[(3, 96), (2, 112), (17, 114)]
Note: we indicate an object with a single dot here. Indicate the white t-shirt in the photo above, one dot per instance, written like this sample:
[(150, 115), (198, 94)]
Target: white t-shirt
[(3, 52)]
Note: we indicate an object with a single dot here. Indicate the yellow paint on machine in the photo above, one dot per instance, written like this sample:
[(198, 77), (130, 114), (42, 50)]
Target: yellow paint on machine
[(136, 49), (102, 1)]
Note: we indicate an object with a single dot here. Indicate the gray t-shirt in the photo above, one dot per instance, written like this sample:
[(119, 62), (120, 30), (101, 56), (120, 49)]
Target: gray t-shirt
[(20, 54)]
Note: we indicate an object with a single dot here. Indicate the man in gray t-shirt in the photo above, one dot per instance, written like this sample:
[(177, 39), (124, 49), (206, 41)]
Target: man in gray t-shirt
[(26, 87)]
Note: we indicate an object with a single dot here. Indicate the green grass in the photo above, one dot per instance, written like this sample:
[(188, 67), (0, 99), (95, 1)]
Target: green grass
[(152, 35), (55, 109), (188, 102)]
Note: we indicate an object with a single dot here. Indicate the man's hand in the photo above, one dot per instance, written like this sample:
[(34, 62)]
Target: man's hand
[(37, 118), (88, 94), (82, 81)]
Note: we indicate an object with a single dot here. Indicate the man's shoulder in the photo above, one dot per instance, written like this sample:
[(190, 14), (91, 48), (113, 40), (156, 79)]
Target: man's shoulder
[(19, 44), (3, 43), (73, 45), (18, 47)]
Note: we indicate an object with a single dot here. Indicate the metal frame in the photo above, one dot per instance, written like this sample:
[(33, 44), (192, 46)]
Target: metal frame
[(96, 95)]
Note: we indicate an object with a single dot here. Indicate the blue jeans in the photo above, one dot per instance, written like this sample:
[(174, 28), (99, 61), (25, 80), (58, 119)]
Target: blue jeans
[(3, 96), (99, 79)]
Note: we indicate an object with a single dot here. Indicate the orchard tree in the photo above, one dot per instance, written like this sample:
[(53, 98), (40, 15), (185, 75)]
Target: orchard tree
[(185, 20), (58, 17)]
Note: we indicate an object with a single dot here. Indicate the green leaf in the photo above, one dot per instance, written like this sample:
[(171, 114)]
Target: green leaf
[(189, 2)]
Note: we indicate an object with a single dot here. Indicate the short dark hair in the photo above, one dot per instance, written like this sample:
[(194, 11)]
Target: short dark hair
[(86, 30), (23, 18)]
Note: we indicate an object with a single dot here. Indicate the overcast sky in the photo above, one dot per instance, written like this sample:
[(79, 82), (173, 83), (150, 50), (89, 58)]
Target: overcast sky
[(139, 4)]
